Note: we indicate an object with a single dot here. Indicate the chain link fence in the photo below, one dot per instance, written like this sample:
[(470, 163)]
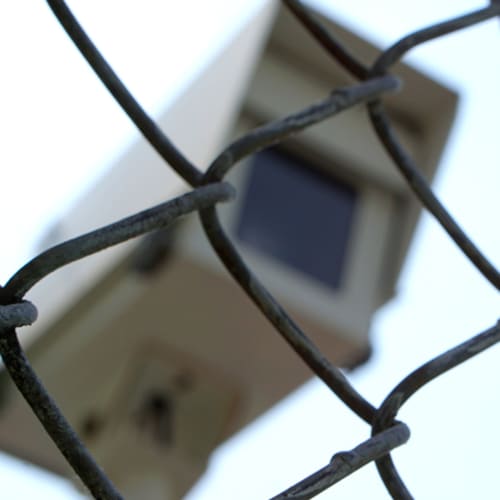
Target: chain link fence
[(209, 189)]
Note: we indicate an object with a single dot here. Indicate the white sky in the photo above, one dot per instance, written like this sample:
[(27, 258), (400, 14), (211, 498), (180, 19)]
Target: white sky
[(59, 127)]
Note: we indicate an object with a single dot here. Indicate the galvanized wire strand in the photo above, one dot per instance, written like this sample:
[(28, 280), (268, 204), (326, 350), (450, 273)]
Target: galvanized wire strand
[(158, 140), (14, 359), (404, 162), (430, 371), (345, 463), (326, 39), (411, 384), (424, 193), (19, 314), (143, 222), (258, 139), (382, 124), (52, 419), (288, 329), (391, 479), (381, 120), (387, 135), (276, 131), (401, 47)]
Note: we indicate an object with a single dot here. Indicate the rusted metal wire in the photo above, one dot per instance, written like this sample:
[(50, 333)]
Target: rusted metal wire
[(373, 83)]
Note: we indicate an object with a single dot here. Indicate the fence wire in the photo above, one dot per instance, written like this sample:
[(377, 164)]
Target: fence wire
[(209, 189)]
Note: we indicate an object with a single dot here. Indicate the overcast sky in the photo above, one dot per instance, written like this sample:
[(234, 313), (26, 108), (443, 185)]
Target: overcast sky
[(60, 128)]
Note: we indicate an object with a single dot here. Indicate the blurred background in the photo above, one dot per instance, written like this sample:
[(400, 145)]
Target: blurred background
[(60, 129)]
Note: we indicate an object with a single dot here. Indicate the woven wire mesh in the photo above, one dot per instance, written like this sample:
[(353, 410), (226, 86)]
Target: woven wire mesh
[(209, 189)]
